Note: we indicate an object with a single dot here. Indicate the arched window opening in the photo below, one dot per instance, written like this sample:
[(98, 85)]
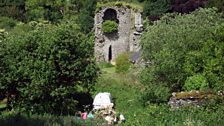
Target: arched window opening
[(110, 14)]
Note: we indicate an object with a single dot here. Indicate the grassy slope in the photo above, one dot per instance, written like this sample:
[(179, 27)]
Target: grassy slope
[(126, 90)]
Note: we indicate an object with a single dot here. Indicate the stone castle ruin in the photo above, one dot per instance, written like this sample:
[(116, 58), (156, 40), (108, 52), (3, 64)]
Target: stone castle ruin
[(125, 39)]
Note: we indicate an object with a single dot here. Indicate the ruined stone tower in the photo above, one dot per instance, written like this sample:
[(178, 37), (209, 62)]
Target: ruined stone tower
[(127, 37)]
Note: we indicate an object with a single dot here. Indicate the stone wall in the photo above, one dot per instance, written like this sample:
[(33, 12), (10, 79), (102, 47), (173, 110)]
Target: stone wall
[(191, 98), (127, 38)]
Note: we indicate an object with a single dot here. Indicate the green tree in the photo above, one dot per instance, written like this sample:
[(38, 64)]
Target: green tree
[(156, 7), (46, 67), (13, 9), (86, 17), (167, 43), (216, 3), (52, 10), (41, 9)]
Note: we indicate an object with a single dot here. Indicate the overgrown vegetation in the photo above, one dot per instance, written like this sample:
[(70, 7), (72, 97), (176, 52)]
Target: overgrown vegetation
[(46, 59), (86, 17), (196, 82), (216, 3), (46, 67), (7, 23), (189, 48), (122, 63), (127, 93), (130, 5), (109, 26), (156, 7)]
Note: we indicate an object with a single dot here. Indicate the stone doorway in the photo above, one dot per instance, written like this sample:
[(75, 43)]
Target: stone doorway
[(110, 54)]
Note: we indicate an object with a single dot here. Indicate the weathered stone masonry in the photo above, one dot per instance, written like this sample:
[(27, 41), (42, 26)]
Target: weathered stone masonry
[(126, 39)]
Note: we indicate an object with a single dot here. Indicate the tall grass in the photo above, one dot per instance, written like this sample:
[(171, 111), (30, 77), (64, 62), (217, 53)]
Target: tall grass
[(126, 91)]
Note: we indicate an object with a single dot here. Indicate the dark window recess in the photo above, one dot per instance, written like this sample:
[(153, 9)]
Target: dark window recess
[(110, 14)]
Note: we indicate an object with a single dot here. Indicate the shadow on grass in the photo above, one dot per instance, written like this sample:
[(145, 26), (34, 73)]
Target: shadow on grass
[(43, 120), (19, 120), (84, 100)]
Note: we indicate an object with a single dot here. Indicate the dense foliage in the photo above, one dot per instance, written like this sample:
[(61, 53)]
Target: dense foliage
[(196, 82), (216, 3), (2, 37), (52, 61), (193, 45), (86, 17), (30, 10), (156, 7), (109, 26), (13, 8), (122, 63), (7, 23), (46, 67), (162, 115)]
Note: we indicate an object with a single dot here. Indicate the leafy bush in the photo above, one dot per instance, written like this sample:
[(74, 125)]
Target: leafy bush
[(3, 34), (122, 63), (162, 115), (35, 14), (46, 67), (156, 94), (196, 82), (7, 23), (208, 61), (167, 43), (109, 26), (21, 27)]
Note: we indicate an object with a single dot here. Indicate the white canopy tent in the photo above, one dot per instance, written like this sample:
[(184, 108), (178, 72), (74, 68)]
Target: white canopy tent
[(102, 100)]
